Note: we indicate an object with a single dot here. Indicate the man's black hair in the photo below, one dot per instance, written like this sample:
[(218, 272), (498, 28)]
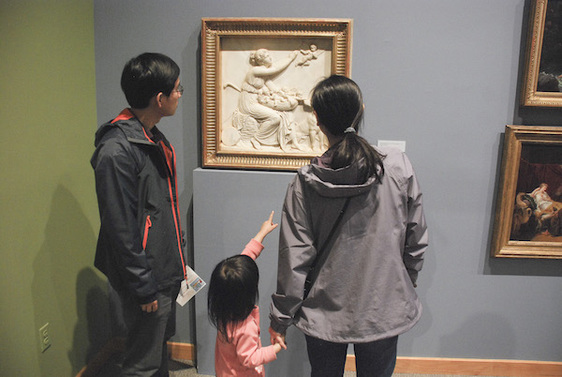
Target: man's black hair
[(147, 75)]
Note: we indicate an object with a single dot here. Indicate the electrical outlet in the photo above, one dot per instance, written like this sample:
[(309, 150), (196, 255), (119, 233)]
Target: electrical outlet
[(44, 337)]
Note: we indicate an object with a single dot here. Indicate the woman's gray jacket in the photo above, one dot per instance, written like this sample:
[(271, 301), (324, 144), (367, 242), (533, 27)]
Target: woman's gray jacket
[(365, 289)]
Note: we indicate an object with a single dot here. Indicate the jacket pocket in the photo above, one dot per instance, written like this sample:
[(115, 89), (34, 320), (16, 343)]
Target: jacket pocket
[(147, 225)]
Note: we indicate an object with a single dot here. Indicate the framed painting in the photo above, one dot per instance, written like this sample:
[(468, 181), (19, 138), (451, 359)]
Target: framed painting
[(543, 73), (528, 218), (257, 75)]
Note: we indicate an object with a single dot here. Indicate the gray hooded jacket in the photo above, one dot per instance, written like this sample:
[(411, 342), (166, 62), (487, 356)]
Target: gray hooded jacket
[(365, 288)]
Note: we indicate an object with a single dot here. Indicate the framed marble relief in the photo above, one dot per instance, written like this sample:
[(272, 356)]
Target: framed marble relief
[(542, 84), (257, 75), (528, 217)]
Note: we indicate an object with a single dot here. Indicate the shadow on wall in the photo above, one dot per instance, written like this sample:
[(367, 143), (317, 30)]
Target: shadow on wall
[(524, 267), (67, 293), (92, 330)]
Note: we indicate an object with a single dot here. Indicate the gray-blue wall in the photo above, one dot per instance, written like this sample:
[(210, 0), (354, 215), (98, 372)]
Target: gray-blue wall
[(443, 75)]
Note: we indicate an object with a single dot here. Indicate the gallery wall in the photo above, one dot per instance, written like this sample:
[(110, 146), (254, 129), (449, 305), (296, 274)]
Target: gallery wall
[(441, 75), (49, 214)]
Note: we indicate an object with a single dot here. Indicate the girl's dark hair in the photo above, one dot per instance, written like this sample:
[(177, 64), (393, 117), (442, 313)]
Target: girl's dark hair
[(338, 103), (147, 75), (233, 292)]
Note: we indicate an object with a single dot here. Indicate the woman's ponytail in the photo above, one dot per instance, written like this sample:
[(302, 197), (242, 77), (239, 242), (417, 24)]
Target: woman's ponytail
[(338, 103)]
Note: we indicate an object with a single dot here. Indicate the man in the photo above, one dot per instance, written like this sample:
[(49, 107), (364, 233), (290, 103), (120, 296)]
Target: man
[(140, 241)]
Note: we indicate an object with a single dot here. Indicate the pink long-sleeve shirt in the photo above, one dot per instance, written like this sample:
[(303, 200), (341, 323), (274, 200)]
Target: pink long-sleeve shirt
[(244, 355)]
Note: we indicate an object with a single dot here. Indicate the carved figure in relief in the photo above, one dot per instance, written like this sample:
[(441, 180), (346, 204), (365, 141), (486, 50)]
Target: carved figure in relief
[(263, 101), (265, 113), (308, 55)]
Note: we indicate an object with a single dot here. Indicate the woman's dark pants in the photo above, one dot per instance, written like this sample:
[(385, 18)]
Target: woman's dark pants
[(374, 359)]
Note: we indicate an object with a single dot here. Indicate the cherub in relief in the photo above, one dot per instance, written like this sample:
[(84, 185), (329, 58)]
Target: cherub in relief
[(308, 55)]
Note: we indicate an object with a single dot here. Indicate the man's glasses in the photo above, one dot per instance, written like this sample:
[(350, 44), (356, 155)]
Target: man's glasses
[(179, 89)]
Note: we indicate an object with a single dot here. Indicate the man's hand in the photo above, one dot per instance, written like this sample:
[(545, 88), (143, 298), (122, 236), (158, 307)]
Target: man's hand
[(151, 307)]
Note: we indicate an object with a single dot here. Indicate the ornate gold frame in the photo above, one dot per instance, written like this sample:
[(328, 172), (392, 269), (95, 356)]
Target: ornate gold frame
[(216, 30), (516, 138), (531, 96)]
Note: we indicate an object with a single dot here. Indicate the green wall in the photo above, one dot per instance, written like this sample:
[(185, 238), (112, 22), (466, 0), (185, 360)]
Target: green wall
[(49, 220)]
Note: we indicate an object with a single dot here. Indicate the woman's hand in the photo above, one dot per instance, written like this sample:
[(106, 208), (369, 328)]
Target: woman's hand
[(277, 338)]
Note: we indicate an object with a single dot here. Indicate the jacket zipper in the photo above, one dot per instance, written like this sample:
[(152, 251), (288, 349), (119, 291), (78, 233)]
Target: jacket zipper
[(171, 163), (147, 225), (170, 155), (175, 212)]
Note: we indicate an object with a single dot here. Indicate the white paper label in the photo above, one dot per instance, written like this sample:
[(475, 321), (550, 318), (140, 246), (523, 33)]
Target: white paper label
[(190, 286), (398, 144)]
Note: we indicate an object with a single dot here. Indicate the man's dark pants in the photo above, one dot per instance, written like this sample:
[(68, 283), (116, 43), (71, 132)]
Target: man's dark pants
[(146, 353)]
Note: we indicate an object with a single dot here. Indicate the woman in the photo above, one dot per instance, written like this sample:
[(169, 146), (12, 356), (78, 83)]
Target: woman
[(262, 100), (364, 291)]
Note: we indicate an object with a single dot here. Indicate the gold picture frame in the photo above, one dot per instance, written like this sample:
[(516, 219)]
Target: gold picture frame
[(257, 74), (528, 217), (542, 84)]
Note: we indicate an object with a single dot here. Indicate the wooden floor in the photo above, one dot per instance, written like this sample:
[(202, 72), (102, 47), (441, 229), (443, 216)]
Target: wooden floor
[(105, 364)]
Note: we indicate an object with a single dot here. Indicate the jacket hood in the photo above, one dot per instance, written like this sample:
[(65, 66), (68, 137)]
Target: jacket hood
[(127, 122), (336, 183)]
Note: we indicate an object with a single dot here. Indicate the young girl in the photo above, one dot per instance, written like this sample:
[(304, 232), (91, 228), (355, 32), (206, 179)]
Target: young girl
[(231, 300)]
